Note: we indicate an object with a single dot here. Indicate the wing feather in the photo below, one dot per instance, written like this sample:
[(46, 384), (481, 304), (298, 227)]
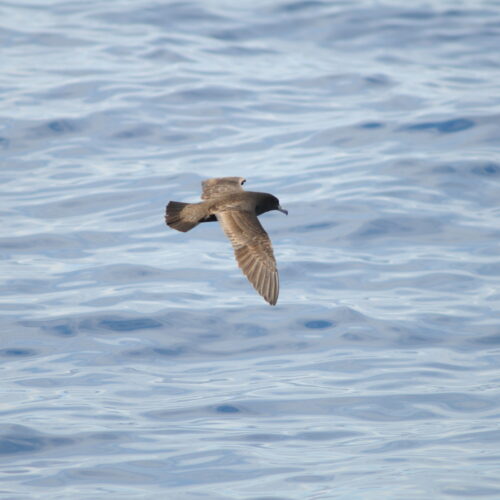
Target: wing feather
[(213, 188), (253, 251)]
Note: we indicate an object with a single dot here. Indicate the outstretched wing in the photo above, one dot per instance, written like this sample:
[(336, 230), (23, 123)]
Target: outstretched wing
[(212, 188), (253, 251)]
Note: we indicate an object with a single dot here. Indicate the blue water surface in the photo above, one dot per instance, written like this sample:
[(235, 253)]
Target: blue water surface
[(138, 363)]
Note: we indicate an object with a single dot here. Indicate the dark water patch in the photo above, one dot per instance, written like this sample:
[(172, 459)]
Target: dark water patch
[(165, 56), (456, 12), (464, 403), (260, 348), (260, 438), (471, 491), (137, 132), (57, 127), (19, 439), (182, 472), (170, 17), (370, 408), (326, 435), (205, 327), (383, 227), (491, 340), (63, 330), (397, 445), (492, 269), (371, 125), (451, 281), (314, 227), (251, 330), (487, 170), (402, 226), (179, 138), (214, 93), (301, 436), (488, 436), (414, 336), (449, 367), (444, 127), (378, 80), (227, 409), (85, 380), (61, 126), (69, 327), (170, 351), (311, 478), (13, 352), (318, 324), (204, 323), (128, 325), (241, 51), (300, 6), (155, 352), (444, 170), (60, 327), (358, 336), (229, 35), (416, 15)]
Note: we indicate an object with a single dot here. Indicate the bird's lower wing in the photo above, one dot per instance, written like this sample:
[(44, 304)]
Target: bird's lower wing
[(253, 251)]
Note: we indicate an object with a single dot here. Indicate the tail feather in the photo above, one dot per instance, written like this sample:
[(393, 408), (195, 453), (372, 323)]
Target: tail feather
[(174, 218)]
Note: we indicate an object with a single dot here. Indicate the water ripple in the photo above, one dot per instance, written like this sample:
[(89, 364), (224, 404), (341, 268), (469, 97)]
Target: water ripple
[(137, 361)]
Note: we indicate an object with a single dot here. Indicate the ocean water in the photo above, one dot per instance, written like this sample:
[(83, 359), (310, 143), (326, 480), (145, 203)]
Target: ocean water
[(138, 363)]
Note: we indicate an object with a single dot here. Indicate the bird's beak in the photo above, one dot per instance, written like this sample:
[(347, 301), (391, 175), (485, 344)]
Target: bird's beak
[(282, 210)]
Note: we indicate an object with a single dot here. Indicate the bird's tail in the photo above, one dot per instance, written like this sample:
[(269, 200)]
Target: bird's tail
[(176, 219)]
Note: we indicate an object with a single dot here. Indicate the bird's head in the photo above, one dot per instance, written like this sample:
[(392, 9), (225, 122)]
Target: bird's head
[(268, 202)]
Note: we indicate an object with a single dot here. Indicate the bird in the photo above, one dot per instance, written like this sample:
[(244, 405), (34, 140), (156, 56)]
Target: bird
[(225, 200)]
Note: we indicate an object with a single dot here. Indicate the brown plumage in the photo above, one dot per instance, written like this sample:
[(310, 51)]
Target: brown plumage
[(225, 200)]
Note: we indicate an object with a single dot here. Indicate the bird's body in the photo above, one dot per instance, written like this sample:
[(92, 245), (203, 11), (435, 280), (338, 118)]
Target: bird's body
[(225, 200)]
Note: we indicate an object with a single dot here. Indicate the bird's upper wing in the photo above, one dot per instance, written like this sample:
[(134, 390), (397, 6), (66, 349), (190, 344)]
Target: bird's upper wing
[(212, 188), (253, 251)]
